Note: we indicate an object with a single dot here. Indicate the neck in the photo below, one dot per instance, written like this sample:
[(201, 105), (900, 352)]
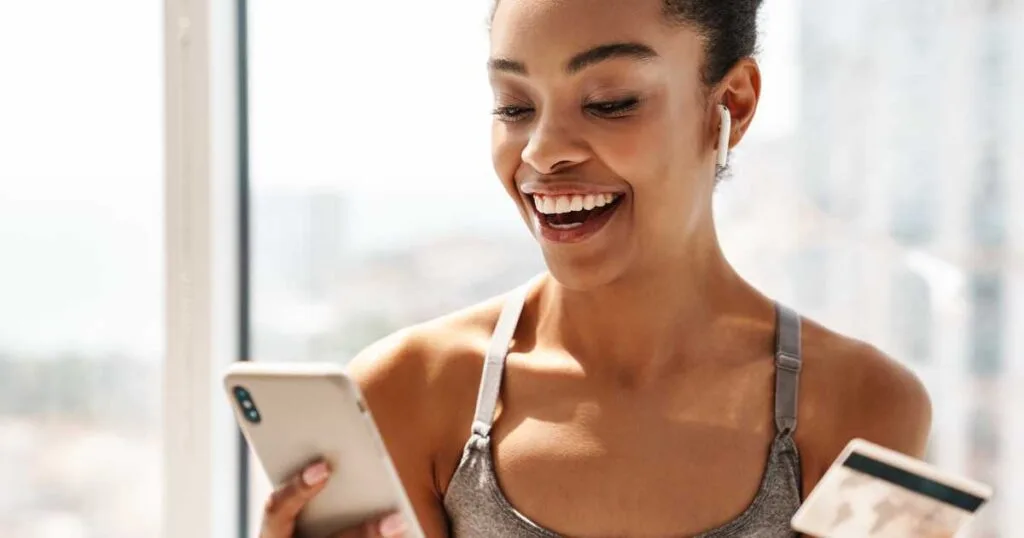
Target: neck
[(651, 320)]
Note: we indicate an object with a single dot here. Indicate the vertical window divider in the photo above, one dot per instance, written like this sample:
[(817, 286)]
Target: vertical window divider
[(203, 154)]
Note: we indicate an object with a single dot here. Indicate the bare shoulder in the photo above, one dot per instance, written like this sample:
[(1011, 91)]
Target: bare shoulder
[(421, 382), (420, 386), (850, 390)]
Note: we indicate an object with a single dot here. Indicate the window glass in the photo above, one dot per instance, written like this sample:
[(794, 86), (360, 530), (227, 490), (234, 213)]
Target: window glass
[(81, 322), (371, 174)]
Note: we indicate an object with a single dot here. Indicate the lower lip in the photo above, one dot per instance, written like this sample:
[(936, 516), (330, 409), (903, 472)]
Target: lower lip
[(588, 229)]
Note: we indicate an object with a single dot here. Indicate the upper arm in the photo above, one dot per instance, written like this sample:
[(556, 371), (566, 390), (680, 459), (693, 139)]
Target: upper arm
[(393, 376), (867, 396), (892, 407)]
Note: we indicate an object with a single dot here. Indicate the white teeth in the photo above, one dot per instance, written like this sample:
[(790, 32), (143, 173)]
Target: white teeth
[(555, 205), (549, 205), (562, 206), (577, 203)]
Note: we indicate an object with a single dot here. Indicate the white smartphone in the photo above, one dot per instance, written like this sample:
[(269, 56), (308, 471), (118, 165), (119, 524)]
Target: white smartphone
[(293, 414), (874, 492)]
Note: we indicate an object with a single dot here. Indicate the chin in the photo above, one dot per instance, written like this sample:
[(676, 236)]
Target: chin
[(583, 273)]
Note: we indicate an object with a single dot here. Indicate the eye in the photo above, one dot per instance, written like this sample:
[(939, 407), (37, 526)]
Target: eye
[(613, 109), (511, 113)]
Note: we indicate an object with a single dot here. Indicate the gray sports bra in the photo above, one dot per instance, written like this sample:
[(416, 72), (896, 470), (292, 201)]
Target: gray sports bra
[(477, 507)]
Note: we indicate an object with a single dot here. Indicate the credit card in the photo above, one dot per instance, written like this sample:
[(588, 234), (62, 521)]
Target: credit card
[(874, 492)]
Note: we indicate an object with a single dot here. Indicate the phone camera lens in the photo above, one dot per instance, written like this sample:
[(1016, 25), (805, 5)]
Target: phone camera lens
[(248, 405)]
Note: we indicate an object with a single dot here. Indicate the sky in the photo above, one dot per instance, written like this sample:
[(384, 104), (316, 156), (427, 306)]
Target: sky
[(80, 177), (339, 102)]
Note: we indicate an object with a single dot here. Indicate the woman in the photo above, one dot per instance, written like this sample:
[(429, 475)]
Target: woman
[(647, 389)]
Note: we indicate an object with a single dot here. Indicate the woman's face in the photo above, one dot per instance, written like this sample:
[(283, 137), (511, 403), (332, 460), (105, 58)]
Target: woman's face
[(602, 132)]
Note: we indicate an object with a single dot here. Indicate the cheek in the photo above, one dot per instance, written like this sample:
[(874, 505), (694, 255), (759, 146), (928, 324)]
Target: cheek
[(659, 158), (640, 152), (667, 151)]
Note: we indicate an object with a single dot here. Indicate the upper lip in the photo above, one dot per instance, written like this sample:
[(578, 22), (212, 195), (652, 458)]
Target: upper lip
[(564, 188)]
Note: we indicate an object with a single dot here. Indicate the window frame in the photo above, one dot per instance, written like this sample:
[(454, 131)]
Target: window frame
[(206, 265)]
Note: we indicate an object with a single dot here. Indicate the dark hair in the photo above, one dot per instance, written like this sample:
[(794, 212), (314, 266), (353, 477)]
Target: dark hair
[(729, 28)]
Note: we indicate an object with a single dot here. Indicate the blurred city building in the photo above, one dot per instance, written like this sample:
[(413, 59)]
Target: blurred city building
[(909, 144)]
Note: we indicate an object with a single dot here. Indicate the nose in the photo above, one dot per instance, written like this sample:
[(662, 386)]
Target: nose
[(553, 146)]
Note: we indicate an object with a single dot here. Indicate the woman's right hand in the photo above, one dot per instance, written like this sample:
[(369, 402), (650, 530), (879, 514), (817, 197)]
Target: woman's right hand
[(284, 505)]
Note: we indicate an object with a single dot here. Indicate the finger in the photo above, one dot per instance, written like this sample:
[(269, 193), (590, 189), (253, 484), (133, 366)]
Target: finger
[(285, 504), (391, 526)]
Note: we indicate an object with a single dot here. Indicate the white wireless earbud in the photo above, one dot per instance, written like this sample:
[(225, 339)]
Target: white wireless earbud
[(724, 135)]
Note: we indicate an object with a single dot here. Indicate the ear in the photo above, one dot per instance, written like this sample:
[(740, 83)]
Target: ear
[(740, 92)]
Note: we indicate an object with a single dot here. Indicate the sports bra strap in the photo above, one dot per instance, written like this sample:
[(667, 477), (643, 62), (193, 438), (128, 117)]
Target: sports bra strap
[(788, 364), (494, 363), (787, 368)]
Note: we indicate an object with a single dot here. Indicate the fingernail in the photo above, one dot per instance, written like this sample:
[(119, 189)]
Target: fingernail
[(393, 525), (315, 474)]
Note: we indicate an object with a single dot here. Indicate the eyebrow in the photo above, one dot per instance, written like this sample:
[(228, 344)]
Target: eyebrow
[(583, 60)]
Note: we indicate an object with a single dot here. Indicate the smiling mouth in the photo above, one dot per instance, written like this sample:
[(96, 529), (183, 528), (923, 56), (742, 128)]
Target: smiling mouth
[(568, 212)]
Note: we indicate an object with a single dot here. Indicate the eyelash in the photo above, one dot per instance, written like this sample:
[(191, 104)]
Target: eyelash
[(603, 109), (614, 109), (511, 113)]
